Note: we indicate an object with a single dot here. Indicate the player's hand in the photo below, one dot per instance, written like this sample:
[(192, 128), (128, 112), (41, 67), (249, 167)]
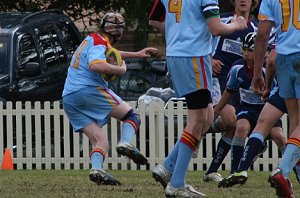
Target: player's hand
[(147, 52), (216, 66), (258, 85), (240, 22), (266, 94)]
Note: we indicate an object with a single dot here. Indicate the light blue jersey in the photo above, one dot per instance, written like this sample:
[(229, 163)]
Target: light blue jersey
[(287, 23), (187, 33), (90, 51)]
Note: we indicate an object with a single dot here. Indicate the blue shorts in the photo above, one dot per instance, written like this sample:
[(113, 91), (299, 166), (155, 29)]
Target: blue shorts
[(276, 100), (288, 75), (252, 114), (92, 104), (190, 74)]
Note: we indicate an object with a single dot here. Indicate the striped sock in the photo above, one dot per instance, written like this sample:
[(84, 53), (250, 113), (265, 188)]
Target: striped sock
[(128, 131), (290, 157), (97, 158), (187, 145), (170, 161)]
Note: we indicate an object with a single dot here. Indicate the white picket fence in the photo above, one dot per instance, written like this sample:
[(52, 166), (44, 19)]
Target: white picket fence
[(40, 137)]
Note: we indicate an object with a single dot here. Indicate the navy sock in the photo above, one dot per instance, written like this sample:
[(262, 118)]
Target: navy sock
[(237, 149), (252, 148), (222, 150)]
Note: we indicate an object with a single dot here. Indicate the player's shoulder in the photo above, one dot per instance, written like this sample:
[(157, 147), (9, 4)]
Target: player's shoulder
[(97, 40), (237, 65)]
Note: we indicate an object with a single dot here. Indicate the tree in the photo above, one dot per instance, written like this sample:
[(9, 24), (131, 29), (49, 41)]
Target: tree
[(135, 11)]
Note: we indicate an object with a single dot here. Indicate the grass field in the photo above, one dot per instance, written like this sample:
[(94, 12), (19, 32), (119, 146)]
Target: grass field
[(72, 183)]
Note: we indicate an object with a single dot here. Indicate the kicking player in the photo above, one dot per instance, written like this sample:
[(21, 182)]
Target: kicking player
[(284, 15), (89, 103), (189, 26)]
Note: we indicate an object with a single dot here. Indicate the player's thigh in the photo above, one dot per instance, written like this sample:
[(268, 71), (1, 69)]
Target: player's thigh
[(268, 118), (120, 111), (293, 111), (278, 136)]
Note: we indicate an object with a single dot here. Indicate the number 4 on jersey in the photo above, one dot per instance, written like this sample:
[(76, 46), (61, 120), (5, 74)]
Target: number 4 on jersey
[(175, 6)]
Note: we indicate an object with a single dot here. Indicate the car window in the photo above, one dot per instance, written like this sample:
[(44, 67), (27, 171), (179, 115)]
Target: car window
[(3, 54), (51, 47), (26, 50), (69, 36)]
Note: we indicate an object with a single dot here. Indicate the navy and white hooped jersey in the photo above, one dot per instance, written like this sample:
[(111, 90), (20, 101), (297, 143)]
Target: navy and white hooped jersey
[(239, 80), (228, 49)]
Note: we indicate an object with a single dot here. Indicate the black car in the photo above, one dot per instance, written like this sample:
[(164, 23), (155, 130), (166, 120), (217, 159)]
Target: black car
[(35, 51)]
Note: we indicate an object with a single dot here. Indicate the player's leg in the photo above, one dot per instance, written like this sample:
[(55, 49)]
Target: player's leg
[(243, 127), (268, 117), (198, 78), (130, 127), (197, 125), (89, 121), (227, 127), (288, 78), (100, 147), (224, 145)]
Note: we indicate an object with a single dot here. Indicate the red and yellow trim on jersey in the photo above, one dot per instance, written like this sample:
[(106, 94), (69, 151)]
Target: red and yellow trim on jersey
[(99, 150), (189, 140), (294, 141)]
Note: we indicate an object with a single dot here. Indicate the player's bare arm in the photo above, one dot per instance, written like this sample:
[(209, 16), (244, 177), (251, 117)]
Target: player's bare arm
[(270, 74), (106, 68), (144, 53), (261, 41), (218, 28)]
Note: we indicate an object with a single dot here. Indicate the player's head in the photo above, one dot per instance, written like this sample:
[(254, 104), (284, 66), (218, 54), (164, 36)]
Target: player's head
[(248, 48), (112, 24), (248, 41), (242, 3)]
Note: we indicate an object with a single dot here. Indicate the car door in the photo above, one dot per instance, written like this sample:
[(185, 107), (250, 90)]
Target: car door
[(54, 60)]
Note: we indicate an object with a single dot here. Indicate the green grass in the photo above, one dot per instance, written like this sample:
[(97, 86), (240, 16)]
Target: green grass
[(72, 183)]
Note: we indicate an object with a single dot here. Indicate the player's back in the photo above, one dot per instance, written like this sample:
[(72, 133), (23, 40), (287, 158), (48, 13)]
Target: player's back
[(187, 33), (287, 23)]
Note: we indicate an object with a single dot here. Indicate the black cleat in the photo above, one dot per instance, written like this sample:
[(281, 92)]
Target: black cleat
[(131, 152), (234, 179), (102, 177)]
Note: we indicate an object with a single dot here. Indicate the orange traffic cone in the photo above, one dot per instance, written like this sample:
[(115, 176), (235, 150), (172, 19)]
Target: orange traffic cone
[(7, 162)]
